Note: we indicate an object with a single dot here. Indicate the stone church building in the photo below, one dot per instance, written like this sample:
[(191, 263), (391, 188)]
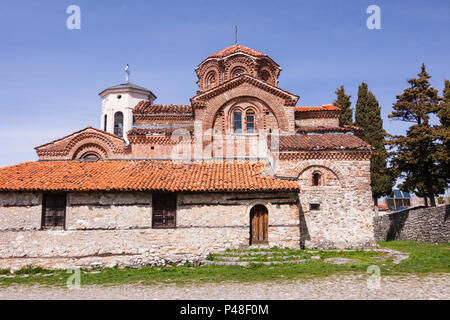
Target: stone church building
[(242, 165)]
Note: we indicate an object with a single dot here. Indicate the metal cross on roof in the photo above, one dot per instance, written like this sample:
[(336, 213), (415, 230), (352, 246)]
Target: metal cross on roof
[(127, 72)]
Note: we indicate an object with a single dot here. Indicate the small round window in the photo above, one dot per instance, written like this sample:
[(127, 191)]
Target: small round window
[(265, 75)]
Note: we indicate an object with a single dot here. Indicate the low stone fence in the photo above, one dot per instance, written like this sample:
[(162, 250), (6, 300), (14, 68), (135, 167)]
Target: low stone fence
[(419, 224)]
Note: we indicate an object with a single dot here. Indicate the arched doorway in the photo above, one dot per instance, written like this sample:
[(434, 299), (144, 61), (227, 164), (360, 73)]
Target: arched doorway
[(259, 225)]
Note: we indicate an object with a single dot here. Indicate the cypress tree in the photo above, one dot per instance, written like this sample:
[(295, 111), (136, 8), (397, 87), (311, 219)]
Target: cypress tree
[(343, 101), (368, 117), (414, 156)]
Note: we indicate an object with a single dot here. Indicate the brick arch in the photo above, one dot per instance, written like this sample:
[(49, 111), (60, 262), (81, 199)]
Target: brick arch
[(239, 61), (243, 104), (89, 148), (88, 140), (305, 165), (270, 101)]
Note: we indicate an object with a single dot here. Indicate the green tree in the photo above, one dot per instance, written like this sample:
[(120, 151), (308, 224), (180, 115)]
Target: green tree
[(368, 117), (443, 133), (343, 101), (414, 156)]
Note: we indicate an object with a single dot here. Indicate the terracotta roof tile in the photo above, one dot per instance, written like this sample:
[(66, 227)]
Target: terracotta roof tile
[(345, 128), (141, 175), (235, 49), (145, 107), (159, 130), (325, 107), (300, 142)]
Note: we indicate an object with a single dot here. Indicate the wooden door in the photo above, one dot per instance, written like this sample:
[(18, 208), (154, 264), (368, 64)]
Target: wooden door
[(259, 225)]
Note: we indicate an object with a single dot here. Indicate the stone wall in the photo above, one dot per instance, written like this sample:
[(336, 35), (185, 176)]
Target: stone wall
[(337, 213), (107, 229), (416, 224)]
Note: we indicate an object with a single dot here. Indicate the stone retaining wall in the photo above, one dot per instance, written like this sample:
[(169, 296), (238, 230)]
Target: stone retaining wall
[(416, 224)]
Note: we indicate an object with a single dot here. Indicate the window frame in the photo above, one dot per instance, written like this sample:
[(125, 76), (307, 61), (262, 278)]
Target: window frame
[(250, 113), (164, 208), (116, 123), (319, 179), (46, 207), (235, 112)]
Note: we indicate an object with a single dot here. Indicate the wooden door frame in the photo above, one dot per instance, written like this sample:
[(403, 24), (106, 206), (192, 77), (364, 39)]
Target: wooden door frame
[(265, 225)]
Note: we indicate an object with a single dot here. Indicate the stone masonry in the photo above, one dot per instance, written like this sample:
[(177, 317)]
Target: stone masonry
[(108, 229), (416, 224)]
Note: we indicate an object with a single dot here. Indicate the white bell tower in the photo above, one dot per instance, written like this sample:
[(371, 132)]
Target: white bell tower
[(118, 103)]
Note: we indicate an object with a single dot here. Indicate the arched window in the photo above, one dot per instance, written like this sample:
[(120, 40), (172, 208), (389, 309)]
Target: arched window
[(316, 179), (237, 122), (210, 79), (265, 75), (105, 122), (91, 156), (250, 121), (118, 124), (236, 72)]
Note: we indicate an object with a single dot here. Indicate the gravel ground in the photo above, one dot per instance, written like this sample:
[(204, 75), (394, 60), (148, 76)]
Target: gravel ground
[(333, 287)]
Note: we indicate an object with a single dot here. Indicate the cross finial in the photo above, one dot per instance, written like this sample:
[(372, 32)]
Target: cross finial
[(127, 72), (235, 35)]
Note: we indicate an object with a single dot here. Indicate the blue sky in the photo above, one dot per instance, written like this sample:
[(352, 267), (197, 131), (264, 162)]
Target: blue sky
[(50, 76)]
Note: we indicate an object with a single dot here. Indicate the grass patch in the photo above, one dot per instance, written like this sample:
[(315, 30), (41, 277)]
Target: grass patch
[(424, 258)]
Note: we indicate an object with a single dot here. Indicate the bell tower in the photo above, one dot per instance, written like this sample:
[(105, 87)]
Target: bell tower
[(118, 103)]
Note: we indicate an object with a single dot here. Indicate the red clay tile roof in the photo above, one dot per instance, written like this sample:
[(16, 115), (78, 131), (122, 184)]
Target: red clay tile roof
[(145, 107), (235, 49), (345, 128), (141, 175), (325, 107), (302, 142), (159, 130)]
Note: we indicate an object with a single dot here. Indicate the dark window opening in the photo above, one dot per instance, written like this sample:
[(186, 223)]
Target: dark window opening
[(237, 122), (105, 123), (118, 124), (164, 210), (53, 210), (316, 179), (90, 156), (314, 206)]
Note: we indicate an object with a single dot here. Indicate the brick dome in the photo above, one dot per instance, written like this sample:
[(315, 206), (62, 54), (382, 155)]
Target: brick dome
[(235, 49)]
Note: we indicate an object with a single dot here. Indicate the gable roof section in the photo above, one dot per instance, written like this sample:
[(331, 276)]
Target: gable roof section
[(142, 175), (89, 128), (290, 98), (318, 142)]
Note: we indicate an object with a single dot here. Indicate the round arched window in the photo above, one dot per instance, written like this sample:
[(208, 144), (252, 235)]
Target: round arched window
[(238, 71), (316, 177), (210, 80), (118, 124), (265, 75)]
